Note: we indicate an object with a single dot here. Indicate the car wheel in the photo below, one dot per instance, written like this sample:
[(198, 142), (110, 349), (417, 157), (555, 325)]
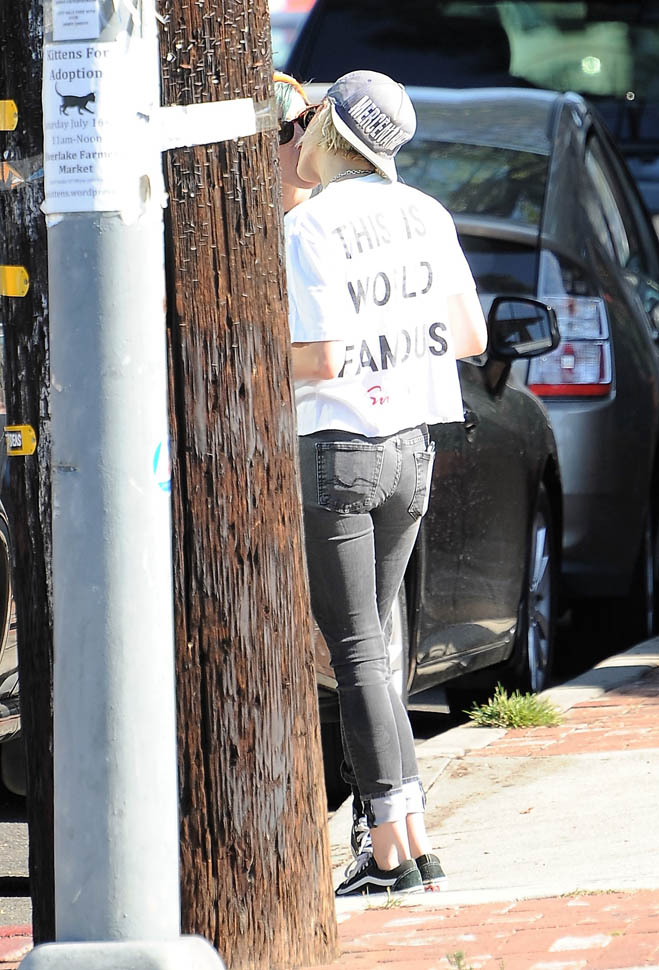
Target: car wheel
[(12, 766), (534, 644), (641, 611), (336, 788)]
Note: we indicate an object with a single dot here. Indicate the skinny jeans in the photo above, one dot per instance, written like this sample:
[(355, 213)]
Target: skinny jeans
[(363, 503)]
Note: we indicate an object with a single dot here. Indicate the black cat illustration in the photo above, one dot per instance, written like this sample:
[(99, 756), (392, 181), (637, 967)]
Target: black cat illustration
[(79, 101)]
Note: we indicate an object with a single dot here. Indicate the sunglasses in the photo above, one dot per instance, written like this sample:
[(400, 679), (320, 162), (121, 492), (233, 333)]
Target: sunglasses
[(287, 128)]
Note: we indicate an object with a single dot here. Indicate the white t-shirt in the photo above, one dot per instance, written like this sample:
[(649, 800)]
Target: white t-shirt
[(371, 263)]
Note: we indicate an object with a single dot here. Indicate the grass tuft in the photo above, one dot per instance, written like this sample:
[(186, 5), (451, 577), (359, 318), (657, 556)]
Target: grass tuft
[(514, 711), (457, 961), (391, 901)]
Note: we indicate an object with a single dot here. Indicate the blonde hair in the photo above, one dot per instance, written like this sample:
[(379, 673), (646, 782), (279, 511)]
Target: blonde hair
[(332, 141), (286, 89)]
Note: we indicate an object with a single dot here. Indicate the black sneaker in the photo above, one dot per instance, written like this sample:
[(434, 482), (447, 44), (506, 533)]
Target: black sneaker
[(364, 877), (432, 874)]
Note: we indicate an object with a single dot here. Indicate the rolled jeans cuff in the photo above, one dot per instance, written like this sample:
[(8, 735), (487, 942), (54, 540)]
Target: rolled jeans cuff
[(395, 806), (385, 808), (415, 797)]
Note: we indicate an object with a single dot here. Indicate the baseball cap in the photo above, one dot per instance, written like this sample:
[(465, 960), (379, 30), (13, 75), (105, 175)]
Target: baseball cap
[(374, 114)]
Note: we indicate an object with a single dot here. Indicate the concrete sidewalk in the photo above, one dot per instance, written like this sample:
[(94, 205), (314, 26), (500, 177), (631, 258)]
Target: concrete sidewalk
[(549, 838)]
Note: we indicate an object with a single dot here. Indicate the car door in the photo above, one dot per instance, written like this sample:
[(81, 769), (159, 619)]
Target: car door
[(475, 533)]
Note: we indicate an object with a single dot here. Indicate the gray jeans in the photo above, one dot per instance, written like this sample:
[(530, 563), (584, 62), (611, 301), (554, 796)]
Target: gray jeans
[(363, 502)]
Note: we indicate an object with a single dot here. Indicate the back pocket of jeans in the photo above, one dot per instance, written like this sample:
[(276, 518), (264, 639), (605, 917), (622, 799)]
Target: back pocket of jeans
[(348, 475)]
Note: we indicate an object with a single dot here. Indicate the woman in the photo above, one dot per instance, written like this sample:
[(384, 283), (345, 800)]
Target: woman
[(381, 304), (292, 105)]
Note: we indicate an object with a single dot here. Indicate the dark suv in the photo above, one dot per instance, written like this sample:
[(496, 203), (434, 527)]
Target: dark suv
[(606, 51)]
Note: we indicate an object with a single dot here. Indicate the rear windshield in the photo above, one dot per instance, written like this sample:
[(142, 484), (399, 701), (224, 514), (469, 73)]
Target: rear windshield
[(478, 180), (598, 49)]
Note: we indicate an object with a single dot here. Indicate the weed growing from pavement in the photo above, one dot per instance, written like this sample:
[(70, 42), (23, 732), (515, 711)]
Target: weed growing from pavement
[(391, 902), (514, 711), (595, 892), (457, 961)]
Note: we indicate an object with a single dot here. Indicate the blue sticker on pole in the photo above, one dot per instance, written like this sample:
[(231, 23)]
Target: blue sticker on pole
[(162, 466)]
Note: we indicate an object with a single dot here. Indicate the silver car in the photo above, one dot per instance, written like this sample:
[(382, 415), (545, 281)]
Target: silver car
[(545, 207)]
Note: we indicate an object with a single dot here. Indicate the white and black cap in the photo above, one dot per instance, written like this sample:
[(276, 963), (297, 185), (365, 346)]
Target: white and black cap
[(374, 114)]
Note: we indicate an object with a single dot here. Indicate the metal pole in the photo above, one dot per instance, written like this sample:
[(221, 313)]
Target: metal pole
[(116, 819)]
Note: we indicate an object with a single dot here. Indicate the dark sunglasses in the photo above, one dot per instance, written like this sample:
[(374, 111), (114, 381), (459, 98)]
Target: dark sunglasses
[(287, 128)]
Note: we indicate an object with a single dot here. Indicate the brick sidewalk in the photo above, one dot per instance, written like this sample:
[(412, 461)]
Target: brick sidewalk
[(15, 942), (579, 931), (599, 931), (593, 930)]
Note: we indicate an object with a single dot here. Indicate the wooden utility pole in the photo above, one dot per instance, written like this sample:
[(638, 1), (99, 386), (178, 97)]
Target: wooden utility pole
[(254, 851), (24, 321)]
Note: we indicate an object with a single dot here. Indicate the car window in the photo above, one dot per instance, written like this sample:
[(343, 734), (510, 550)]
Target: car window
[(478, 180), (592, 203), (559, 275), (616, 220), (647, 258), (499, 265), (620, 222), (609, 206), (596, 48)]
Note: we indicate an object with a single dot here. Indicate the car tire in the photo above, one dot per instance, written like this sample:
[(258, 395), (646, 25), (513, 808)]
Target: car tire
[(640, 609), (534, 642), (12, 766), (336, 788)]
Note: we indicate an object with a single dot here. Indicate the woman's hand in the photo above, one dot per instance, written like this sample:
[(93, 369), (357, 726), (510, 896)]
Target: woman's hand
[(318, 361)]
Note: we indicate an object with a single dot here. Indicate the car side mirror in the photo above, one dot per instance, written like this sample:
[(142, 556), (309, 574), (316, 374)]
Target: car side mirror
[(520, 328)]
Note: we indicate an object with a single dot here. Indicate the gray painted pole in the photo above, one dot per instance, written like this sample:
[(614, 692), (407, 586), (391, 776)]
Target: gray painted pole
[(116, 818)]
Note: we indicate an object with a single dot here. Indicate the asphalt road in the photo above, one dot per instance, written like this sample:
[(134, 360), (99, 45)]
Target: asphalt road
[(15, 906)]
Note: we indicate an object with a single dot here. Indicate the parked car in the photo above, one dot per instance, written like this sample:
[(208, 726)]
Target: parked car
[(545, 207), (605, 51)]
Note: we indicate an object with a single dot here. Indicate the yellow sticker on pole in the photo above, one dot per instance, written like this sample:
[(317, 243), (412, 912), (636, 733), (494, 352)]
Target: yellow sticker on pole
[(20, 439), (8, 115), (14, 281)]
